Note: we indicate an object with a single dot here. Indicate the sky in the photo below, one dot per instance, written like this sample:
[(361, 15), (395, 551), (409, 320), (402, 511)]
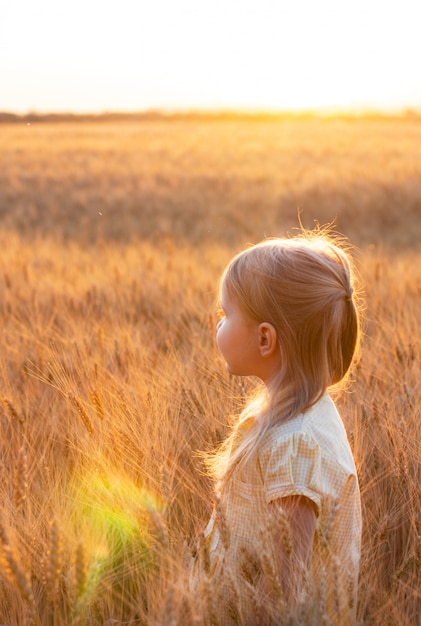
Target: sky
[(132, 55)]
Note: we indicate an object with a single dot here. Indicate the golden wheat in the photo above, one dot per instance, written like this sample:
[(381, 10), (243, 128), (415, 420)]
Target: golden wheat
[(112, 242)]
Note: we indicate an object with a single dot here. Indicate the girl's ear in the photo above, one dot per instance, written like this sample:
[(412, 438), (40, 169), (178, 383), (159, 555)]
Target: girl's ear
[(268, 339)]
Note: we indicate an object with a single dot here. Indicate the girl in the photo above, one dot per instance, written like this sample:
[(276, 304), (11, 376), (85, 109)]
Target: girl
[(284, 538)]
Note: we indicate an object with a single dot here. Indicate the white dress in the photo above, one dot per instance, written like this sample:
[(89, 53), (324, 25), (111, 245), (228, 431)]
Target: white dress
[(307, 455)]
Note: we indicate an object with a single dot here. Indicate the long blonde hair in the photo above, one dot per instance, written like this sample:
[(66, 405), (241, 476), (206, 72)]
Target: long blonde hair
[(305, 287)]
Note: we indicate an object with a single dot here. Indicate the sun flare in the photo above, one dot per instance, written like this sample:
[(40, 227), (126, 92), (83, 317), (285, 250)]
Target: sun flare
[(136, 55)]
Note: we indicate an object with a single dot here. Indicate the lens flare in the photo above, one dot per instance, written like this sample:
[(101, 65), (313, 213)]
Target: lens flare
[(119, 525)]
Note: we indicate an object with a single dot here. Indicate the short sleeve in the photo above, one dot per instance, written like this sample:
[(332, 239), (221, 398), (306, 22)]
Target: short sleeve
[(292, 466)]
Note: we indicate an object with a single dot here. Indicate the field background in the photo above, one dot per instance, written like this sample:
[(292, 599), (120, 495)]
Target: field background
[(113, 235)]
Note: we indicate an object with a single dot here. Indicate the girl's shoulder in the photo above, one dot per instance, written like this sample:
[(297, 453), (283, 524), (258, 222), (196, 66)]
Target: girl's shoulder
[(319, 432), (318, 417)]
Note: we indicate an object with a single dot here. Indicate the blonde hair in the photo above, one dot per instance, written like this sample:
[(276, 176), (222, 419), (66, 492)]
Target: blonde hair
[(304, 286)]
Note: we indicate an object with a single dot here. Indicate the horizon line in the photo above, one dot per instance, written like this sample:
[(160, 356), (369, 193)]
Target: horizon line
[(357, 110)]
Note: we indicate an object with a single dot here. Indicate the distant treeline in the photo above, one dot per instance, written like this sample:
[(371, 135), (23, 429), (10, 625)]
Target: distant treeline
[(216, 116)]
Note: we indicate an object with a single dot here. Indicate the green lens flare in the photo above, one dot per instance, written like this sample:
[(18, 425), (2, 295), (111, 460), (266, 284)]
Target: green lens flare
[(116, 521)]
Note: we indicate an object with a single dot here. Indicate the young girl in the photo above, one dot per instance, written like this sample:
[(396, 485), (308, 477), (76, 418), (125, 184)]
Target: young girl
[(285, 534)]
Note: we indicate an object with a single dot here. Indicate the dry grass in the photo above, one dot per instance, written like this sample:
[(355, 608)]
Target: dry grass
[(113, 238), (209, 181)]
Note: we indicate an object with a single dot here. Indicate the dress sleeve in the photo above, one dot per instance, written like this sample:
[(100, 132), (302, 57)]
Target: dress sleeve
[(292, 466)]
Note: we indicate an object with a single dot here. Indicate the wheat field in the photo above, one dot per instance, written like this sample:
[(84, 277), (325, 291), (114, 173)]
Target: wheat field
[(112, 240)]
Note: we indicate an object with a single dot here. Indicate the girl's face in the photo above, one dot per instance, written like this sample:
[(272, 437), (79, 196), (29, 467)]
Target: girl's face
[(237, 336)]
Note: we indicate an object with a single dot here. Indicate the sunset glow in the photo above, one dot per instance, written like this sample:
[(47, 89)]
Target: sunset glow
[(240, 54)]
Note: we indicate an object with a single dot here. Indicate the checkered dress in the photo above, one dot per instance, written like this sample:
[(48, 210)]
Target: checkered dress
[(307, 455)]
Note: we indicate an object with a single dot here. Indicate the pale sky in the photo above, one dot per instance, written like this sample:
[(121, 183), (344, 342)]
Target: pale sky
[(92, 55)]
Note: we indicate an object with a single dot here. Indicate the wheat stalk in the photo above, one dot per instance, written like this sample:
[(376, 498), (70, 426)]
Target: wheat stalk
[(54, 562), (80, 570), (19, 575), (21, 479), (86, 420), (14, 414), (97, 404)]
